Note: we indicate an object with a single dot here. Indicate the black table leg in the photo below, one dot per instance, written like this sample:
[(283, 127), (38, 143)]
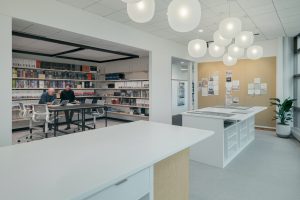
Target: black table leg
[(83, 119), (55, 123), (105, 116)]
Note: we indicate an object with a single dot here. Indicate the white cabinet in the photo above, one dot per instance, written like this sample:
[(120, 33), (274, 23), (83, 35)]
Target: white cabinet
[(231, 142), (230, 138), (134, 187), (243, 133)]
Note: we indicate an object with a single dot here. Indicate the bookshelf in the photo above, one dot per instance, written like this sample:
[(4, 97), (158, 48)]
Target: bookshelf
[(125, 92), (32, 77), (127, 98)]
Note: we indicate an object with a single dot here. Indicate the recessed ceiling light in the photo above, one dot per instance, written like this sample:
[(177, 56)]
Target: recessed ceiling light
[(183, 69), (200, 30)]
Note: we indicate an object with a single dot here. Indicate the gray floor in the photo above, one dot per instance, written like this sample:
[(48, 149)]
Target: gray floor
[(100, 124), (268, 169)]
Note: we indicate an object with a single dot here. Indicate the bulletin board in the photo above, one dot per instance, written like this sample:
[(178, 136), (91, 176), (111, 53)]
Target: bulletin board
[(245, 71)]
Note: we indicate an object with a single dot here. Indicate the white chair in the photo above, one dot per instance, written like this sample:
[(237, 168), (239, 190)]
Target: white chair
[(97, 112), (41, 114), (25, 113)]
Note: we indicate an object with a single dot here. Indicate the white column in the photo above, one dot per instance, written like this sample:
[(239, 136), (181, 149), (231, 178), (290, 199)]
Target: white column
[(160, 87), (6, 80)]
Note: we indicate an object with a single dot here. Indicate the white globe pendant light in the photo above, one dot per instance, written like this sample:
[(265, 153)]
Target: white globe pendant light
[(197, 48), (141, 11), (220, 40), (244, 39), (216, 50), (131, 1), (228, 60), (184, 15), (230, 27), (255, 52), (235, 51)]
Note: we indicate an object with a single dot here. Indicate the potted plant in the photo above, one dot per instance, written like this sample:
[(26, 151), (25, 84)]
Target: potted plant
[(283, 116)]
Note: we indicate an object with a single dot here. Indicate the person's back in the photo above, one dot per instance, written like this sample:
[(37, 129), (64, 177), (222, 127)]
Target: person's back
[(47, 97)]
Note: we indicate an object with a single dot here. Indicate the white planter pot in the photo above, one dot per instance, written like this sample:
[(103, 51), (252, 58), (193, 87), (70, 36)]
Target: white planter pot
[(283, 131)]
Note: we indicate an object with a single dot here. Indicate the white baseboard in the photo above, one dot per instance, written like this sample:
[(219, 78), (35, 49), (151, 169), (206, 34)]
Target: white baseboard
[(266, 127)]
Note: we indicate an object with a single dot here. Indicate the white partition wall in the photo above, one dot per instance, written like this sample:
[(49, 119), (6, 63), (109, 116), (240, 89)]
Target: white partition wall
[(5, 77), (78, 21)]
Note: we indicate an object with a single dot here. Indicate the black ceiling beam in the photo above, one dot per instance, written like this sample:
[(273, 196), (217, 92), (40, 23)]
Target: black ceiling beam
[(69, 51), (96, 61), (71, 58), (36, 37)]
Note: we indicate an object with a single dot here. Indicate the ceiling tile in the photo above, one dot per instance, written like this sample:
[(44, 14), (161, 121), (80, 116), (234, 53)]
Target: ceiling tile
[(100, 9)]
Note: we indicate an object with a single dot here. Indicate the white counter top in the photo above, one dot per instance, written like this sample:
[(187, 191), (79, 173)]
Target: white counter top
[(74, 166), (237, 114)]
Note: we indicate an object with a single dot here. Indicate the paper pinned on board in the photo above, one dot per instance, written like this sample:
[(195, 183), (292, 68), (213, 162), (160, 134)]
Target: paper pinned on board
[(256, 80), (204, 91), (235, 84)]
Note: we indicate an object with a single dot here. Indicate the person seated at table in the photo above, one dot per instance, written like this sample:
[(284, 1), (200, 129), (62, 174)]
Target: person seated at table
[(68, 94), (48, 97)]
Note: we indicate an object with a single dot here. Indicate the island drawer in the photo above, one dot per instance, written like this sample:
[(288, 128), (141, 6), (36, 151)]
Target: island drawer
[(132, 188)]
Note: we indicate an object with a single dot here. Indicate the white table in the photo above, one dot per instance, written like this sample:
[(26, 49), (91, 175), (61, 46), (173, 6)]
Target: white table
[(229, 139), (114, 163)]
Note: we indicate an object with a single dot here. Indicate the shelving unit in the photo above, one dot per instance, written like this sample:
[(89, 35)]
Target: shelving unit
[(126, 92), (37, 76), (124, 102)]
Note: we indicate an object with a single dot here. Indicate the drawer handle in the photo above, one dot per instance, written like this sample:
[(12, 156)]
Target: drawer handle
[(121, 182)]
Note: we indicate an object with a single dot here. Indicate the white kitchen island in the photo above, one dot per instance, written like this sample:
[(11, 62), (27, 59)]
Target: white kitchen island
[(134, 161), (234, 128)]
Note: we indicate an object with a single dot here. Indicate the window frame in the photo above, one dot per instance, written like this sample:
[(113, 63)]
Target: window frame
[(296, 76)]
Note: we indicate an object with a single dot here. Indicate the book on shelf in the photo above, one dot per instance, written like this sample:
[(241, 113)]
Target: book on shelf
[(26, 63), (36, 64), (48, 84)]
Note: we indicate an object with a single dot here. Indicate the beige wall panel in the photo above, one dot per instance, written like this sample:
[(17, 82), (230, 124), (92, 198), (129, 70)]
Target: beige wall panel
[(245, 71)]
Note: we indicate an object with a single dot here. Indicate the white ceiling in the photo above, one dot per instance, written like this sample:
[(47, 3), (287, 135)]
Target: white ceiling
[(20, 43), (269, 18)]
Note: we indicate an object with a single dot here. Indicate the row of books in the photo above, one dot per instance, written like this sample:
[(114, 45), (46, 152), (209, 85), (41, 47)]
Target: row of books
[(132, 84), (128, 93), (47, 84), (21, 95), (30, 73), (132, 102), (142, 102), (30, 63)]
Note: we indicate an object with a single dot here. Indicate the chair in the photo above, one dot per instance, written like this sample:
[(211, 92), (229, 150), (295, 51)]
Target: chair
[(25, 113), (41, 114), (95, 113)]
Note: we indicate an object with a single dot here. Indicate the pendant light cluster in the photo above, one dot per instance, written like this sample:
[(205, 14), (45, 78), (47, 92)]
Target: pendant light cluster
[(230, 36), (185, 15)]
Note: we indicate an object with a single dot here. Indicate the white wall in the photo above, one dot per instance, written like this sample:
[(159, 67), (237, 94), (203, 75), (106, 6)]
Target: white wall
[(5, 76), (58, 15), (137, 65)]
